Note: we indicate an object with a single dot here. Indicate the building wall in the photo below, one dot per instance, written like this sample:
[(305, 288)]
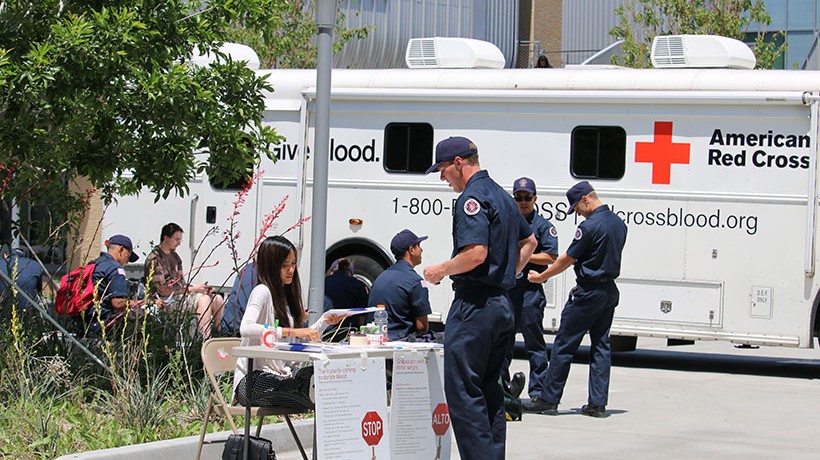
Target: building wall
[(586, 25), (547, 28), (394, 22), (585, 28), (800, 19)]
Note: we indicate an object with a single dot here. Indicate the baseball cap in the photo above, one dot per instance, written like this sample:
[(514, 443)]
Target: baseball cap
[(524, 184), (576, 192), (125, 242), (450, 148), (403, 241)]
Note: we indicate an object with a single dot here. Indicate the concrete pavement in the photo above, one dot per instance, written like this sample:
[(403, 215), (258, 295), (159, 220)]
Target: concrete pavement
[(705, 401), (681, 413)]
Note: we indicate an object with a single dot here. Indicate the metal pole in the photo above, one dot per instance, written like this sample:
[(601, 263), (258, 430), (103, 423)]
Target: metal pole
[(45, 315), (325, 21)]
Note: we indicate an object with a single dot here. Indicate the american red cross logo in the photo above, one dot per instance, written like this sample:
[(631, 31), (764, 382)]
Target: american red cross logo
[(662, 153)]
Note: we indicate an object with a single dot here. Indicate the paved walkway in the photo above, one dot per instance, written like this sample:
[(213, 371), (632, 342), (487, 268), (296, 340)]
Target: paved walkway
[(679, 414)]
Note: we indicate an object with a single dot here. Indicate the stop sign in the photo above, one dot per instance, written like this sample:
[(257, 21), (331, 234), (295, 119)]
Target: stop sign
[(372, 428), (441, 419)]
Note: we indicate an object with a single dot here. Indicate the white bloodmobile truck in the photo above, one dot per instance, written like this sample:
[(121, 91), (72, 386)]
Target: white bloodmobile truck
[(714, 171)]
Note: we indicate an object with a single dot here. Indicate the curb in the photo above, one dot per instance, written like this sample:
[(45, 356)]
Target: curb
[(175, 449)]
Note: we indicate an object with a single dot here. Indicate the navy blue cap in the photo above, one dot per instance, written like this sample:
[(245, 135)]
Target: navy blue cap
[(450, 148), (576, 192), (403, 241), (524, 184), (124, 241)]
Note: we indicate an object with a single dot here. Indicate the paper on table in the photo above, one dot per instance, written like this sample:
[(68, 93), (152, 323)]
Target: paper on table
[(296, 346), (351, 311), (317, 347), (411, 345)]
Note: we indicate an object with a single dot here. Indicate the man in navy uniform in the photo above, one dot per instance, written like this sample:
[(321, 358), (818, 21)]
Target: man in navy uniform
[(596, 253), (401, 290), (491, 243), (528, 298), (26, 273), (112, 286)]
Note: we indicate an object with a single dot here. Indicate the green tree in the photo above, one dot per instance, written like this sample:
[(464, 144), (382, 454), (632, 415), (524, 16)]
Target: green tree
[(106, 91), (282, 32), (642, 20)]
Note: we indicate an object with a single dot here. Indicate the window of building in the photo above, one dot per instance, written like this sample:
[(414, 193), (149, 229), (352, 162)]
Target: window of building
[(777, 38), (598, 152), (408, 147)]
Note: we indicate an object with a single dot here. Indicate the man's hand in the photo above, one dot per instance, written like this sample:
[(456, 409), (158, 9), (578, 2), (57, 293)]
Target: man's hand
[(560, 264), (535, 277), (434, 273)]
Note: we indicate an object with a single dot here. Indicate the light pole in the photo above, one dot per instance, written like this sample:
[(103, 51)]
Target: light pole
[(325, 21)]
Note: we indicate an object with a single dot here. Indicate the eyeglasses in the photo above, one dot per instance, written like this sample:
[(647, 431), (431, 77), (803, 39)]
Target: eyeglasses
[(526, 198)]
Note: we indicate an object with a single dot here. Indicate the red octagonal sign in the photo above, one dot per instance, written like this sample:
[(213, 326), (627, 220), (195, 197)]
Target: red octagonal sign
[(372, 428), (441, 419)]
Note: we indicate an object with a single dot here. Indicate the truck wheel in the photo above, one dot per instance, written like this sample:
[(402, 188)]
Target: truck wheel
[(366, 269)]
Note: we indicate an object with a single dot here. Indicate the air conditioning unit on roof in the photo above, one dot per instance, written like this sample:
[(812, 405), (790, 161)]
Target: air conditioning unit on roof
[(452, 53), (701, 51)]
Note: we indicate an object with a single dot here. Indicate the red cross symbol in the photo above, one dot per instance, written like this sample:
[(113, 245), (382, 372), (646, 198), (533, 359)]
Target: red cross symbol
[(662, 152)]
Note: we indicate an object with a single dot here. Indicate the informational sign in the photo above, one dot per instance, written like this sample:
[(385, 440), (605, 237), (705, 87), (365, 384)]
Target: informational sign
[(418, 392), (410, 435), (351, 409)]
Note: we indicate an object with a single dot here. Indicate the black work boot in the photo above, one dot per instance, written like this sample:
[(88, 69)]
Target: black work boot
[(539, 406), (594, 411), (517, 384)]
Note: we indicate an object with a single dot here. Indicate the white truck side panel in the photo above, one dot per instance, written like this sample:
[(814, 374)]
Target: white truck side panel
[(716, 243)]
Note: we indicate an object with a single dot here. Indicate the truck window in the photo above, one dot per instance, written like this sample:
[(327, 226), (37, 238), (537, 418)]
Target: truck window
[(598, 152), (408, 147), (233, 184), (227, 182)]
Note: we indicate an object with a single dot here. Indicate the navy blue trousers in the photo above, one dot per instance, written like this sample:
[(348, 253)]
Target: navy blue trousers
[(589, 308), (528, 304), (476, 340)]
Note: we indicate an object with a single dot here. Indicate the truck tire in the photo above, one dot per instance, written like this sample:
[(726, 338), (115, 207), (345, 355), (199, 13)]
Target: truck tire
[(366, 268)]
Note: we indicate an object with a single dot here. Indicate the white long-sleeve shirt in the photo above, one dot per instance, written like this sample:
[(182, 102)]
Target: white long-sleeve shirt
[(259, 312)]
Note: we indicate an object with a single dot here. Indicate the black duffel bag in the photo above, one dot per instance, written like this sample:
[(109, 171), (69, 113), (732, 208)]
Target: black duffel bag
[(258, 448)]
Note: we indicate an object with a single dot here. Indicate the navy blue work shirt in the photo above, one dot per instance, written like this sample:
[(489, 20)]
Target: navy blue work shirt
[(547, 236), (485, 214), (404, 294), (113, 285), (345, 291), (29, 277), (237, 300), (597, 246)]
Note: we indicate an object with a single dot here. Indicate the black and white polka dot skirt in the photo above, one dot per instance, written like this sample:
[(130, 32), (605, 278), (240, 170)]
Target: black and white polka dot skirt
[(274, 390)]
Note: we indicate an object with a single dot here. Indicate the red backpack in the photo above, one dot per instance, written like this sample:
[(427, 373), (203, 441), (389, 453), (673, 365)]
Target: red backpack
[(76, 291)]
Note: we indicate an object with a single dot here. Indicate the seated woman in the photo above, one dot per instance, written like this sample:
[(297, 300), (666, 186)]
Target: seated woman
[(278, 296)]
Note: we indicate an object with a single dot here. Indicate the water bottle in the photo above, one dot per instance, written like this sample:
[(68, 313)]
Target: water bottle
[(380, 318)]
